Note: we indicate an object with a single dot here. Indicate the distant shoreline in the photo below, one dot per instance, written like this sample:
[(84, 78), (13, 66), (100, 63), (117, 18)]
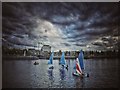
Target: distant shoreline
[(38, 58), (20, 58)]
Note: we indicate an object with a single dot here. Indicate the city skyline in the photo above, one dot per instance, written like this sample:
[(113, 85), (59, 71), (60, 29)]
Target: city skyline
[(63, 26)]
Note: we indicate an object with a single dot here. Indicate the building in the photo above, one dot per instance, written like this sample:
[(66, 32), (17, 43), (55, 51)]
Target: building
[(46, 48), (33, 52)]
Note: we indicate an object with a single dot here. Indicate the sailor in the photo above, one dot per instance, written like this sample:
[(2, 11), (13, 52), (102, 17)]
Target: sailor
[(67, 67)]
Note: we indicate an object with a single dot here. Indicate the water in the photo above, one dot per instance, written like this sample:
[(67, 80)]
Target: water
[(103, 73)]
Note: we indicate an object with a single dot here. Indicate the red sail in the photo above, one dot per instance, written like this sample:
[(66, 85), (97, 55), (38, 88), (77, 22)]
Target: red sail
[(78, 68)]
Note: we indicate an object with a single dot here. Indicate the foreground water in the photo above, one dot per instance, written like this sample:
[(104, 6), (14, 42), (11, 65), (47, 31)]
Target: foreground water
[(24, 74)]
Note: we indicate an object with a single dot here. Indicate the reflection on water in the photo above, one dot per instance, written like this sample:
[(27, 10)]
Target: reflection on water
[(24, 74), (50, 74), (62, 73), (51, 77)]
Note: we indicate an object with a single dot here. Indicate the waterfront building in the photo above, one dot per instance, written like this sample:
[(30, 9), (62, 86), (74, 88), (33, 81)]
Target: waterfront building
[(33, 52), (46, 48)]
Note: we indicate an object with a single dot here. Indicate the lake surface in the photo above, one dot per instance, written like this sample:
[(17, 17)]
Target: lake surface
[(103, 73)]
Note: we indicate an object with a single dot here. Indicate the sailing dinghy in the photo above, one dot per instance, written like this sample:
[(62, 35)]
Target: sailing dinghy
[(50, 62), (79, 66), (78, 69), (63, 61)]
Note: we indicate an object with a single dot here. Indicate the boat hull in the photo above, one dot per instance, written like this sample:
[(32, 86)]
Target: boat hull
[(51, 67), (83, 75), (36, 63), (76, 74)]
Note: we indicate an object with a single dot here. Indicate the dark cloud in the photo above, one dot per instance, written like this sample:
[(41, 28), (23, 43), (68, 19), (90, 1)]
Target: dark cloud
[(66, 44), (105, 39), (80, 44), (18, 36), (77, 22), (98, 43)]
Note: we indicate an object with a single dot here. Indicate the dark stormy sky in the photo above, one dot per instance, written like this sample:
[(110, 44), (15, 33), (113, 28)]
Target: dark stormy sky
[(64, 26)]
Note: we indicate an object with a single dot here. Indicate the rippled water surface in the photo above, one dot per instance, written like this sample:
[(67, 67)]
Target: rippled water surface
[(103, 73)]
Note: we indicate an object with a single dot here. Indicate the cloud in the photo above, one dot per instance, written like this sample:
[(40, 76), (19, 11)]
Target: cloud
[(66, 44), (61, 25), (80, 44)]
